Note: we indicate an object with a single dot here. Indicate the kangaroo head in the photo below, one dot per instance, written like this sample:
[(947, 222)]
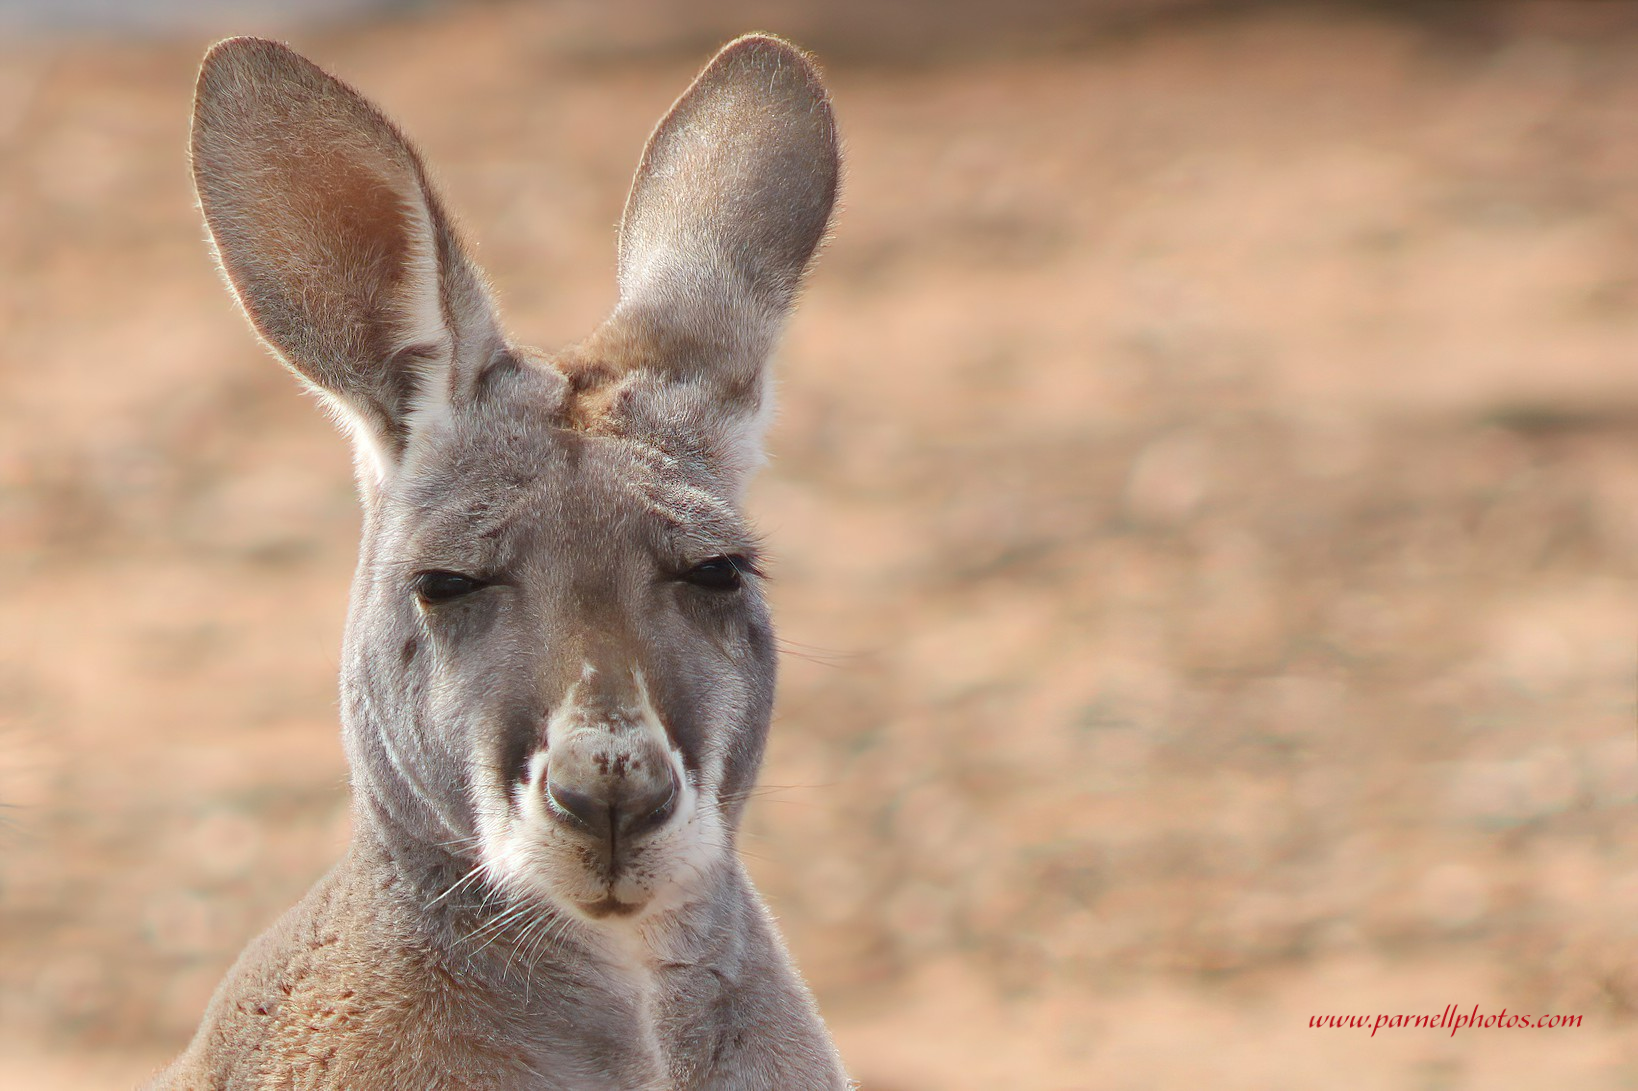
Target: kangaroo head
[(559, 664)]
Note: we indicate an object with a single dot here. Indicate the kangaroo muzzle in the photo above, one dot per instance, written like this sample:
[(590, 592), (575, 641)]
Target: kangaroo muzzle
[(611, 773), (612, 785)]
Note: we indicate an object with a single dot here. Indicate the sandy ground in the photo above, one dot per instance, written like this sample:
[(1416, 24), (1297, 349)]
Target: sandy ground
[(1204, 516)]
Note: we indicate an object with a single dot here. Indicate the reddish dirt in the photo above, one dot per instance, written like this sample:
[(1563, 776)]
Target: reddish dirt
[(1204, 515)]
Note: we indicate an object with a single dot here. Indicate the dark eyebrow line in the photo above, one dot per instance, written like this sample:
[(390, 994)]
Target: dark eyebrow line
[(488, 519)]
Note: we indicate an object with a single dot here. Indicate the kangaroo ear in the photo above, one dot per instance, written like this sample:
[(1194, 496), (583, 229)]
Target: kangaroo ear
[(334, 242), (731, 199)]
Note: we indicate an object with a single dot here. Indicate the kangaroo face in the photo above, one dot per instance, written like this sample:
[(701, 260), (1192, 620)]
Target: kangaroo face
[(559, 666), (571, 627)]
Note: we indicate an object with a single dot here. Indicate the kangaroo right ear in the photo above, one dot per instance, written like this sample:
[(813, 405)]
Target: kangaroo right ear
[(333, 240), (734, 190), (730, 202)]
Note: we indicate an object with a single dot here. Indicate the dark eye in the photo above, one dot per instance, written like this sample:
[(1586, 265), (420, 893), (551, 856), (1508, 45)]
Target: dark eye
[(438, 587), (718, 573)]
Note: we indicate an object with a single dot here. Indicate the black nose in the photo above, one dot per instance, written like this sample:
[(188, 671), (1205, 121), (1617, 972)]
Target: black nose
[(626, 810)]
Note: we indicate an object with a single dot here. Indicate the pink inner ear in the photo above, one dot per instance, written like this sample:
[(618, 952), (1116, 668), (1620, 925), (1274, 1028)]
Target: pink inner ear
[(335, 238), (362, 223)]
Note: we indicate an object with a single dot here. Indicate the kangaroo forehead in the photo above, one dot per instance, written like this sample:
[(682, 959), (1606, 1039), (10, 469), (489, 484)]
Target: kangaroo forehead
[(548, 477)]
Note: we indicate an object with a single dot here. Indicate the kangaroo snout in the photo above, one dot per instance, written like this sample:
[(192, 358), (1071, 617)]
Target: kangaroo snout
[(612, 788)]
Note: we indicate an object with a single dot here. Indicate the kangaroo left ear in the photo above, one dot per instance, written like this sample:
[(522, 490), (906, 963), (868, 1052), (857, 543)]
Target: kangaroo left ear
[(731, 200), (335, 243)]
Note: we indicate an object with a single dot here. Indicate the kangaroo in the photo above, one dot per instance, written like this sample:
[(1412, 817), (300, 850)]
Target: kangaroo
[(558, 667)]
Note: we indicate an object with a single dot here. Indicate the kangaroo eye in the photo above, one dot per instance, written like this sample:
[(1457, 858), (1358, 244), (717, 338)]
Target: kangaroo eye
[(438, 587), (718, 573)]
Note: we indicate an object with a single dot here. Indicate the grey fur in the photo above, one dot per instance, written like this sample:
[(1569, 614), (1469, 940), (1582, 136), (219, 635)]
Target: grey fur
[(550, 765)]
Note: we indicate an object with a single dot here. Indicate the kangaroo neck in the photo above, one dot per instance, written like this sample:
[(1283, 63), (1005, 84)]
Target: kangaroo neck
[(637, 1000)]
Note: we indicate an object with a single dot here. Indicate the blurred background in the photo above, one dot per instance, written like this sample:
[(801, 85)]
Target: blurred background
[(1204, 515)]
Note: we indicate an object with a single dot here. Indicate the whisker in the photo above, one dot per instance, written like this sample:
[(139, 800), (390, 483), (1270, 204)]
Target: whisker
[(824, 657), (479, 869), (459, 842)]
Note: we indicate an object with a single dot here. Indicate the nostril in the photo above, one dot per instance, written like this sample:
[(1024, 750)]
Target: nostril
[(587, 812), (652, 809), (611, 810)]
